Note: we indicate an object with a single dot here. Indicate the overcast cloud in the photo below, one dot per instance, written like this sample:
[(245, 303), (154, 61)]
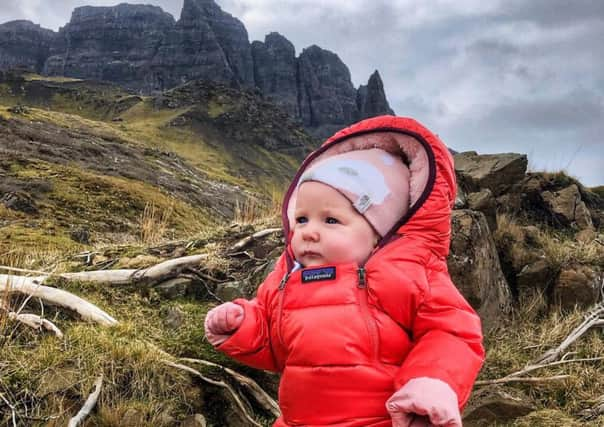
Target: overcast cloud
[(491, 76)]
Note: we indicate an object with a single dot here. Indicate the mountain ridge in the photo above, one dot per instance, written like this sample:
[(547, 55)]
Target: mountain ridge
[(143, 48)]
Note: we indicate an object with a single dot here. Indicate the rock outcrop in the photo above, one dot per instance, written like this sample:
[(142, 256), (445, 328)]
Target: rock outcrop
[(276, 71), (144, 49), (371, 98), (25, 45)]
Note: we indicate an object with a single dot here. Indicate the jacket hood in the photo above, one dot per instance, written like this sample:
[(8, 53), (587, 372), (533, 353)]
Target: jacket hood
[(432, 177)]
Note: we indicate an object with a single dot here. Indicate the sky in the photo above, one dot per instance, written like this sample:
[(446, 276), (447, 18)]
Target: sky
[(492, 76)]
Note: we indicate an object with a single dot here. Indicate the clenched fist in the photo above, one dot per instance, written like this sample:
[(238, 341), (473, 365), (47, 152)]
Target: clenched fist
[(222, 321), (424, 402)]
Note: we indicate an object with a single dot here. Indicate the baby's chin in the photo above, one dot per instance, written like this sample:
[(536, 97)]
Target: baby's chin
[(318, 261)]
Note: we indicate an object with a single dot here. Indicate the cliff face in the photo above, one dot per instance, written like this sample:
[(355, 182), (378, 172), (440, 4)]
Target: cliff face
[(24, 44), (143, 48)]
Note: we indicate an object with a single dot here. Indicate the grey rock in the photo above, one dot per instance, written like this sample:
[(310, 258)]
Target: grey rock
[(371, 99), (80, 235), (475, 269), (174, 288), (230, 290), (567, 208), (484, 202), (174, 317), (110, 43), (25, 45), (327, 95), (276, 71), (19, 201), (497, 172)]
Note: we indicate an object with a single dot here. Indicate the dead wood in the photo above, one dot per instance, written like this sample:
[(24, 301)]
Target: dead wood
[(594, 318), (521, 380), (262, 397), (32, 286), (89, 404), (249, 239), (240, 405)]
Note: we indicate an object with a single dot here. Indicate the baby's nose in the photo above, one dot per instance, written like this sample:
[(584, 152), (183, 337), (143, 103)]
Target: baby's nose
[(310, 233)]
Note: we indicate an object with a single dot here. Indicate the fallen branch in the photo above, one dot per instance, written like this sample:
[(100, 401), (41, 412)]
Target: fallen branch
[(594, 318), (222, 384), (33, 287), (36, 322), (521, 380), (249, 239), (531, 368), (262, 397), (22, 270), (89, 404)]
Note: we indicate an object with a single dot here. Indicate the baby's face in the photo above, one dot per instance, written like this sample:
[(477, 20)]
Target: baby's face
[(328, 230)]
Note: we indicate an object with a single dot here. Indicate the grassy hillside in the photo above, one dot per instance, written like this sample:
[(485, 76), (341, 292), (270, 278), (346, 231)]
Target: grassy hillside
[(80, 155)]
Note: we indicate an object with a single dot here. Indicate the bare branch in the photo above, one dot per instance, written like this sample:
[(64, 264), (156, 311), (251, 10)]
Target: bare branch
[(222, 384), (249, 239), (594, 318), (36, 322), (33, 287), (262, 397), (521, 380), (89, 404)]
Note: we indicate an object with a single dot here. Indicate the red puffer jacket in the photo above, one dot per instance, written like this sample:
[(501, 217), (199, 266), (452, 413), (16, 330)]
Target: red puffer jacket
[(346, 337)]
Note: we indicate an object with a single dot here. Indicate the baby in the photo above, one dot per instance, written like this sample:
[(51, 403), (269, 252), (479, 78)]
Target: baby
[(360, 314)]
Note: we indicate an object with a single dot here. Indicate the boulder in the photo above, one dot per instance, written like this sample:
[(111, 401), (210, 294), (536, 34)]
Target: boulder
[(230, 290), (475, 269), (577, 285), (174, 288), (491, 405), (484, 202), (567, 208), (497, 172), (19, 201)]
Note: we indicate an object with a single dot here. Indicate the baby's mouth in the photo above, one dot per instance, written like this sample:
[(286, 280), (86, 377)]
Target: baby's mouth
[(311, 254)]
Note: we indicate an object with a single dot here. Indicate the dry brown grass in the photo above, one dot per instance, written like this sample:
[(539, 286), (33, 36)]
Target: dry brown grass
[(255, 211), (154, 223), (524, 338), (560, 248)]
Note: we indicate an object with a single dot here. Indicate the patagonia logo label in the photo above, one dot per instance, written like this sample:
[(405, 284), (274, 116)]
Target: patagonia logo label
[(316, 274)]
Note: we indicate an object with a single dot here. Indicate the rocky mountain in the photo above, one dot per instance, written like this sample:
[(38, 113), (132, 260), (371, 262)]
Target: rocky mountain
[(143, 48)]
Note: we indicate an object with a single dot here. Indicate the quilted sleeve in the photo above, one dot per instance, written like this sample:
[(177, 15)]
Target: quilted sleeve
[(447, 338), (250, 344)]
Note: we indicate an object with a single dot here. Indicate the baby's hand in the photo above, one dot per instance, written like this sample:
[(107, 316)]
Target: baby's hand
[(222, 321), (424, 402)]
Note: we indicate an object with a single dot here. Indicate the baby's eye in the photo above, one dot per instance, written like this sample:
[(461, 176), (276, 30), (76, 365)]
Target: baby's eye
[(301, 220), (331, 220)]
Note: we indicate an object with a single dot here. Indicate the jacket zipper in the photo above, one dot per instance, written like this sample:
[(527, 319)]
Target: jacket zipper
[(280, 307), (369, 320)]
